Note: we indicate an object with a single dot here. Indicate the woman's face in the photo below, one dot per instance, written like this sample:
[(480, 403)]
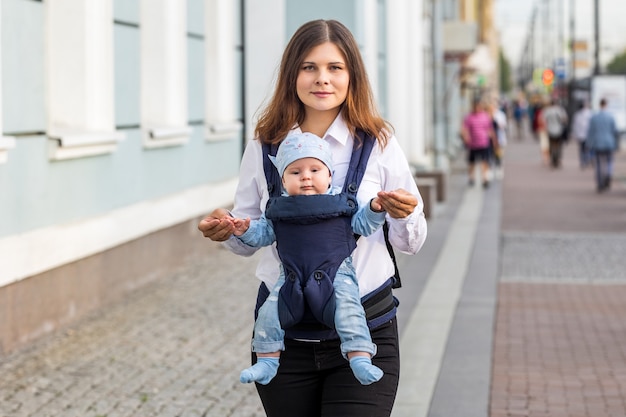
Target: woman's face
[(323, 79)]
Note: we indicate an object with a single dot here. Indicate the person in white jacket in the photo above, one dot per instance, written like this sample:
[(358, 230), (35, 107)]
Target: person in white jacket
[(555, 119), (580, 126), (323, 88)]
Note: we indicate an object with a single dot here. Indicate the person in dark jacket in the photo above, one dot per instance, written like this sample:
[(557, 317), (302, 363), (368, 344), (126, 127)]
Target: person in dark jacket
[(602, 138)]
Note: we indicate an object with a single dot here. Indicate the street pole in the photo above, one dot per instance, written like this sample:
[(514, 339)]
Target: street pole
[(560, 55), (572, 38), (596, 22), (545, 47), (572, 54)]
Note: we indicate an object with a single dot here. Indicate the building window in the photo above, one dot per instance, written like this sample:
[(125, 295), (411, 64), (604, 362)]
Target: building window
[(164, 114), (79, 78)]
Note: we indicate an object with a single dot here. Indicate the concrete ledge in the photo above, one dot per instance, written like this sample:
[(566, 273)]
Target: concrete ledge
[(440, 177), (465, 373), (428, 190)]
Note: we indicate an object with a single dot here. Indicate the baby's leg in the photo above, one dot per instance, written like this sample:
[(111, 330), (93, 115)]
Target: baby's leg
[(263, 371), (268, 340), (351, 326), (363, 369)]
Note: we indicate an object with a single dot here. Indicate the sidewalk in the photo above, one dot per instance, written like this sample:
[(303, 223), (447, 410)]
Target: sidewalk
[(514, 307), (548, 336), (560, 340)]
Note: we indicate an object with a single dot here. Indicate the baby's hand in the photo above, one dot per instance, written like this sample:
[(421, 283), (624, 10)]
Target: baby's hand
[(375, 205), (241, 225)]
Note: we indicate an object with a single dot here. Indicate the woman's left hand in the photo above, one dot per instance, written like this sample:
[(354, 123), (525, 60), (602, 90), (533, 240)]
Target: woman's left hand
[(398, 203)]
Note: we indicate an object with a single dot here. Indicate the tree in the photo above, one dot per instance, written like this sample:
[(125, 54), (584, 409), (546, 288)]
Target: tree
[(505, 73), (617, 64)]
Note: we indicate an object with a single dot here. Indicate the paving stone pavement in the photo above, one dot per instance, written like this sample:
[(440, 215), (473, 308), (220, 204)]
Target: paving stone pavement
[(575, 257), (149, 355)]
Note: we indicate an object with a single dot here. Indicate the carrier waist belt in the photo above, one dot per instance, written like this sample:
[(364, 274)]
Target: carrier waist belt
[(376, 307)]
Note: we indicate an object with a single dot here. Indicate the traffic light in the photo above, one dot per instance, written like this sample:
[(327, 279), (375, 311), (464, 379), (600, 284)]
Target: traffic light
[(547, 77)]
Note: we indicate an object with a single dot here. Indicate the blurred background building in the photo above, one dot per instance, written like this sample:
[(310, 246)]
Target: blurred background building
[(123, 123), (574, 51)]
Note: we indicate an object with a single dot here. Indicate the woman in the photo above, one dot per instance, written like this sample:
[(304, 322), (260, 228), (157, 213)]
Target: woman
[(323, 88), (542, 134), (480, 139)]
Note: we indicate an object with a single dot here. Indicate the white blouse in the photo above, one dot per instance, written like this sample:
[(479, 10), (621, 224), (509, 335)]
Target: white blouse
[(387, 169)]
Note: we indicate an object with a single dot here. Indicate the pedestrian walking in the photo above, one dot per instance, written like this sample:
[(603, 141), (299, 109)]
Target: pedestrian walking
[(542, 134), (479, 136), (520, 112), (500, 127), (534, 110), (322, 88), (580, 126), (555, 119), (602, 139)]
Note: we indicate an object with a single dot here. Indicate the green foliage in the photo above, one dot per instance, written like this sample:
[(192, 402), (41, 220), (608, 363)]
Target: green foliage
[(618, 64), (505, 74)]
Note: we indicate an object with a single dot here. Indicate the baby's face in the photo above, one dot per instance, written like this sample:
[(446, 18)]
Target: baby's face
[(306, 176)]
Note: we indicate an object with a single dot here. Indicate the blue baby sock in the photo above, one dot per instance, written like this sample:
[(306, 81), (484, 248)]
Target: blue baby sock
[(364, 371), (262, 372)]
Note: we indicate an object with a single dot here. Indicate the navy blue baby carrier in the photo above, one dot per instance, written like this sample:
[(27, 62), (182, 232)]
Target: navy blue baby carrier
[(320, 227)]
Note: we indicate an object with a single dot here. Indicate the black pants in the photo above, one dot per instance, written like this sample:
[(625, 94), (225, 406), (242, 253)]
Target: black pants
[(314, 380), (556, 151)]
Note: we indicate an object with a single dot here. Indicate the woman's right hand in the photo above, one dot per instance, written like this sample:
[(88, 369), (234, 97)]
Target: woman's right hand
[(217, 226)]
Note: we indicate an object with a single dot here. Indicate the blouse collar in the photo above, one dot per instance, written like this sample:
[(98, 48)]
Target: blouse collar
[(338, 130)]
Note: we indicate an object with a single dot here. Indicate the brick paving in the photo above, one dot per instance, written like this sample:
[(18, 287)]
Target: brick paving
[(560, 350), (560, 334)]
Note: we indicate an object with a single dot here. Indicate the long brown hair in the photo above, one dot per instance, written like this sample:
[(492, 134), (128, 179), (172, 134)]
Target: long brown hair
[(285, 110)]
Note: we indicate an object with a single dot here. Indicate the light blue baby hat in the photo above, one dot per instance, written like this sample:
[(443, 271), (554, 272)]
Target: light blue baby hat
[(302, 145)]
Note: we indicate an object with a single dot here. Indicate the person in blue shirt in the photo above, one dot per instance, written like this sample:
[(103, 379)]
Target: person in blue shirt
[(602, 140), (304, 163)]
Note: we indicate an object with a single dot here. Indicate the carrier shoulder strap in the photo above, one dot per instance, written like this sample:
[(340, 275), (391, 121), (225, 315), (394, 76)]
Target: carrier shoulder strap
[(356, 170), (271, 173), (358, 162)]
